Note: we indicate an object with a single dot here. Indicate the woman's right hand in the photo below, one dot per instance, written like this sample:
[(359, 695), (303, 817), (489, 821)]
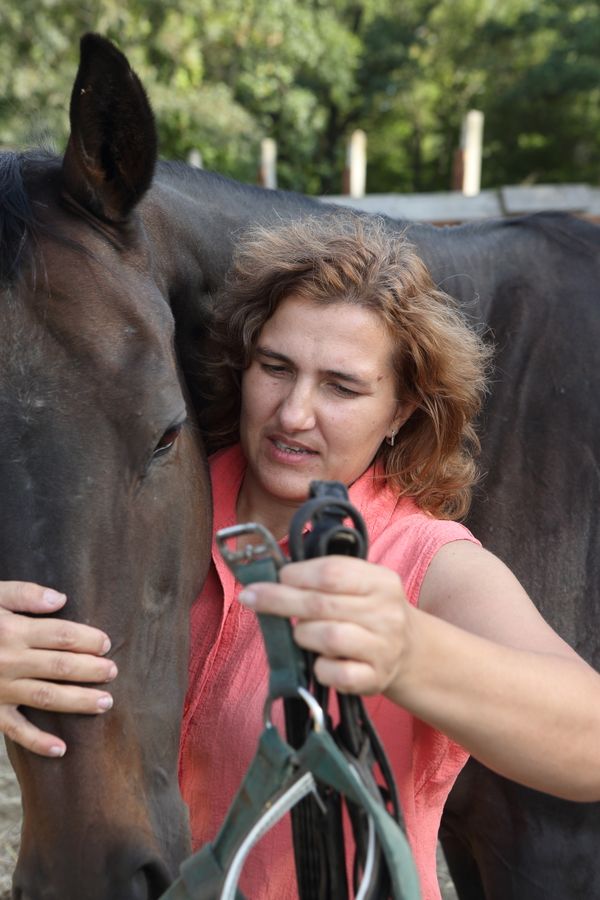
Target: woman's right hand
[(36, 653)]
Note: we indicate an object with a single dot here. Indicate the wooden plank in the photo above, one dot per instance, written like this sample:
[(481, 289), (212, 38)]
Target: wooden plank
[(451, 206), (535, 198), (594, 207)]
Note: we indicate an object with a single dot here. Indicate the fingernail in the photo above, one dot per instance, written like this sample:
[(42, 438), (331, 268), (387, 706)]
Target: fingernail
[(248, 598), (53, 598), (105, 702), (57, 751), (112, 672), (106, 646)]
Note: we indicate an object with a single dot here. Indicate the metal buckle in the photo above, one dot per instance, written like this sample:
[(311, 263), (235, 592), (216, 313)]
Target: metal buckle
[(250, 552)]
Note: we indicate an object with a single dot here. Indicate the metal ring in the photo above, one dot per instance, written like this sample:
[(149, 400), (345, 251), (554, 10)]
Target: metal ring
[(316, 711), (267, 713)]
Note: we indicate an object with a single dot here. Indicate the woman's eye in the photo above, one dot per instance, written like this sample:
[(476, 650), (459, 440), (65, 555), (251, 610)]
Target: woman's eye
[(167, 440), (272, 369), (344, 391)]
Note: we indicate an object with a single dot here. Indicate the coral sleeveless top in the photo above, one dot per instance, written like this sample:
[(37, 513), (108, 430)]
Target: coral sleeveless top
[(228, 677)]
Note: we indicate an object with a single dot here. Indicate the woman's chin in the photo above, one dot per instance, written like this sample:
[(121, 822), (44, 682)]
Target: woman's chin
[(291, 489)]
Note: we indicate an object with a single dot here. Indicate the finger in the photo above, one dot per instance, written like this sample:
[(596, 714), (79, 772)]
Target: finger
[(335, 574), (347, 676), (60, 697), (20, 730), (283, 600), (62, 634), (339, 640), (57, 666), (23, 596), (54, 634)]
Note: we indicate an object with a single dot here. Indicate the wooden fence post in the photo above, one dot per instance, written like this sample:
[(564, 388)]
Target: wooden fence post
[(471, 145), (355, 173), (267, 174), (195, 159)]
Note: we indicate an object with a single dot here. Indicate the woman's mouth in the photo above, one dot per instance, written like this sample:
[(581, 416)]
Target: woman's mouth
[(292, 449)]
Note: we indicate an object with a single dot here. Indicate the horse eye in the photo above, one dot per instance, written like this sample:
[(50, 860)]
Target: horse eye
[(167, 440)]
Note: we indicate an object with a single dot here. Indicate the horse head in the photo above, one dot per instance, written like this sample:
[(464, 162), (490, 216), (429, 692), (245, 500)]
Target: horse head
[(104, 487)]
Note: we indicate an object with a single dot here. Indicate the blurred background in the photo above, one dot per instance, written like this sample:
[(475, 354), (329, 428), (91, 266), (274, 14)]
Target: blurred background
[(223, 75)]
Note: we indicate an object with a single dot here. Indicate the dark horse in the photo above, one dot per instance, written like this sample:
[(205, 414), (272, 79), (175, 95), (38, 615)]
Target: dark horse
[(103, 483), (104, 494)]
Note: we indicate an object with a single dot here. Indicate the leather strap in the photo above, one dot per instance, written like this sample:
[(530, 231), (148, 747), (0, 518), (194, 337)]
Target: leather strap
[(383, 853), (275, 766)]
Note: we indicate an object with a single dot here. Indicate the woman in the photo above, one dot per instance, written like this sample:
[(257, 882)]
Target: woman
[(335, 357)]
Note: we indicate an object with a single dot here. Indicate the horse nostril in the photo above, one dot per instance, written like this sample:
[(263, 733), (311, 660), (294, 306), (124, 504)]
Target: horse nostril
[(150, 882)]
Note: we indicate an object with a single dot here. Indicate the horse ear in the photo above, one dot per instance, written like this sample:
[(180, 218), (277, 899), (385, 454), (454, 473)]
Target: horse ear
[(111, 154)]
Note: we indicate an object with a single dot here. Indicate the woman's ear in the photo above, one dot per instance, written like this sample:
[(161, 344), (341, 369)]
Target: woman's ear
[(404, 411)]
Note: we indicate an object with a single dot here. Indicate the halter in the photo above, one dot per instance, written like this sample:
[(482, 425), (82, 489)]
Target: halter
[(318, 768)]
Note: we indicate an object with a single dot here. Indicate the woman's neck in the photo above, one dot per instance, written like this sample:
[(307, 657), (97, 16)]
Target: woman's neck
[(274, 514)]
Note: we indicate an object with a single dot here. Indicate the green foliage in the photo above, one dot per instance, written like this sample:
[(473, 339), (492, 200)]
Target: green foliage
[(222, 75)]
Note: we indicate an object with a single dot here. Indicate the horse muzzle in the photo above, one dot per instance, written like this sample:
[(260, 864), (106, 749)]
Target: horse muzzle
[(146, 882)]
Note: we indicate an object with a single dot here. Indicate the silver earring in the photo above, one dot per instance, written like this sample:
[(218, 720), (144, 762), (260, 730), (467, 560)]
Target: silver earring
[(390, 440)]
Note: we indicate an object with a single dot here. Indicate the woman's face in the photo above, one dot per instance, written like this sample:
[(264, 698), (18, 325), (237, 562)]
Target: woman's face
[(318, 399)]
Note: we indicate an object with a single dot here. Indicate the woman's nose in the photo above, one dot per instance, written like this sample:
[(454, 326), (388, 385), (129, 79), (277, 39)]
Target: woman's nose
[(297, 410)]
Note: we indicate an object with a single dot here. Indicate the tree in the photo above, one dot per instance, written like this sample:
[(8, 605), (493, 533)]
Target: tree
[(222, 75)]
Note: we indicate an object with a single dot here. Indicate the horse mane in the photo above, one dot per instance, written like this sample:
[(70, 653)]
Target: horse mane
[(183, 173), (571, 232), (19, 226), (17, 222)]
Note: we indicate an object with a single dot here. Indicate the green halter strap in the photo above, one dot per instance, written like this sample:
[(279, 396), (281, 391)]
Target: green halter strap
[(277, 767), (261, 561)]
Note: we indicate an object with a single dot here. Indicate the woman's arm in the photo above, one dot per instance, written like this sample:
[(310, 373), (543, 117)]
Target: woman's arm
[(514, 693), (476, 660), (37, 653)]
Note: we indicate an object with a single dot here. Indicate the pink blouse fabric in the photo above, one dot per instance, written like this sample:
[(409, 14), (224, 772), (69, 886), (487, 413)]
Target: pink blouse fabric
[(228, 677)]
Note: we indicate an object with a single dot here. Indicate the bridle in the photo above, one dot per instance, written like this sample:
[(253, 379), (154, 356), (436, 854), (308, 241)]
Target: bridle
[(319, 768)]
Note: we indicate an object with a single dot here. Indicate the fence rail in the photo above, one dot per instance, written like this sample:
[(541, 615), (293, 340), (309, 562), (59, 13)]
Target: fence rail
[(451, 207)]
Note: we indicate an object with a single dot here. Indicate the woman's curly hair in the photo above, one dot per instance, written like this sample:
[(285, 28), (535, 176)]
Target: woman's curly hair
[(440, 361)]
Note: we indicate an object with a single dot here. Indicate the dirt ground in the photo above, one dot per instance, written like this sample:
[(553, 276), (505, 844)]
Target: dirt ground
[(10, 821)]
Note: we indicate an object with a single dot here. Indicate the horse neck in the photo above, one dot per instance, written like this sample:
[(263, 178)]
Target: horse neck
[(202, 214)]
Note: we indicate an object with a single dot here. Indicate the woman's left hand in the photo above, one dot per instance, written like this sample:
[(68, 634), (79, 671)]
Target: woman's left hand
[(352, 614)]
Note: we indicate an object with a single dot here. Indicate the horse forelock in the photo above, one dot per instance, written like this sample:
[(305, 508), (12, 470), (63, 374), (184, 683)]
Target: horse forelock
[(22, 346), (17, 222)]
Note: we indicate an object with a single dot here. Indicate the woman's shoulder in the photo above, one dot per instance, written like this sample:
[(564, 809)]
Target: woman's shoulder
[(411, 532), (390, 515), (402, 536)]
